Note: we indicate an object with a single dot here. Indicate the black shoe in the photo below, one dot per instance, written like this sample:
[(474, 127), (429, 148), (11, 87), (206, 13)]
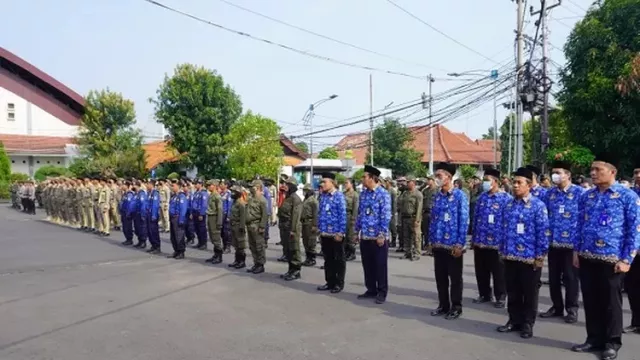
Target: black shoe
[(179, 256), (250, 270), (234, 264), (586, 347), (453, 314), (351, 257), (482, 299), (210, 259), (241, 265), (283, 258), (526, 332), (400, 249), (216, 259), (367, 295), (380, 299), (500, 304), (309, 262), (320, 254), (127, 243), (572, 317), (631, 329), (439, 312), (324, 287), (138, 245), (201, 247), (336, 289), (293, 275), (282, 276), (259, 269), (508, 327), (172, 256), (154, 251), (190, 242), (552, 312), (609, 354)]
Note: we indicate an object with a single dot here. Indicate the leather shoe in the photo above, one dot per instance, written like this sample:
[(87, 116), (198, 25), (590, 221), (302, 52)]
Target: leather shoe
[(250, 270), (179, 256), (482, 300), (609, 354), (552, 312), (526, 332), (453, 314), (381, 299), (172, 256), (586, 347), (282, 259), (293, 275), (324, 287), (336, 290), (499, 304), (507, 328), (366, 295), (259, 269), (438, 312), (571, 318), (631, 329)]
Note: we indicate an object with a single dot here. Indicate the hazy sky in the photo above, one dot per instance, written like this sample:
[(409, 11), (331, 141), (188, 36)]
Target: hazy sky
[(129, 46)]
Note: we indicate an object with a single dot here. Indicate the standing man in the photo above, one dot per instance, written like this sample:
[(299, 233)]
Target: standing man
[(165, 195), (332, 224), (178, 216), (411, 218), (267, 196), (104, 202), (257, 219), (372, 227), (88, 205), (448, 235), (525, 243), (402, 188), (227, 202), (487, 234), (290, 229), (153, 215), (393, 223), (116, 196), (238, 227), (189, 228), (215, 218), (127, 209), (427, 204), (199, 204), (608, 242), (140, 216), (352, 199), (562, 204), (96, 207), (309, 220)]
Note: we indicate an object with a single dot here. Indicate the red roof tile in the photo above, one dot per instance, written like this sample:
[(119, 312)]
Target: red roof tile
[(158, 152), (448, 146), (51, 145)]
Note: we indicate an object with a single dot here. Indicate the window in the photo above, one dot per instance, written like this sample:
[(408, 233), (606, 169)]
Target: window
[(11, 112), (58, 162), (24, 162), (13, 161), (38, 162)]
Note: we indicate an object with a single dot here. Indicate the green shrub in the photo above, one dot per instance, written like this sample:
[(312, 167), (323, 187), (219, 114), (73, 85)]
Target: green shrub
[(5, 190), (5, 164), (18, 177), (50, 171)]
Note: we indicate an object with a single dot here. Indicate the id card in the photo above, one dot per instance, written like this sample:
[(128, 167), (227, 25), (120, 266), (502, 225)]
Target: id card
[(561, 209), (447, 217), (604, 219), (520, 228), (491, 219)]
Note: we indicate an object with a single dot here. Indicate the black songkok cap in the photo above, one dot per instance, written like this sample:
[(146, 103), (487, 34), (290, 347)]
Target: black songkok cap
[(534, 169), (492, 172), (561, 164), (329, 175), (371, 170), (524, 172), (450, 168)]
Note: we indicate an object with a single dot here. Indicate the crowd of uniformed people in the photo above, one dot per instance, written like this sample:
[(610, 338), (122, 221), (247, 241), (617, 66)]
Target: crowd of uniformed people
[(588, 235)]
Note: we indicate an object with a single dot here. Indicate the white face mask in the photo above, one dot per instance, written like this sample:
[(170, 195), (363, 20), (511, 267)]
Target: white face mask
[(556, 178)]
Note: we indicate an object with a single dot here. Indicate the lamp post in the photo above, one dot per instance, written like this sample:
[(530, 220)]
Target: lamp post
[(493, 74), (308, 118)]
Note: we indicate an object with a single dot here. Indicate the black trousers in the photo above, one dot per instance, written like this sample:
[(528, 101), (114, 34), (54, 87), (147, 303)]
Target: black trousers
[(488, 264), (602, 298), (561, 271), (177, 235), (448, 270), (632, 286), (426, 223), (335, 263), (374, 264), (522, 291)]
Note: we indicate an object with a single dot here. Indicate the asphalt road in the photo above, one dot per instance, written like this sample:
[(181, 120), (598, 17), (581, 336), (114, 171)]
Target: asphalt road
[(67, 295)]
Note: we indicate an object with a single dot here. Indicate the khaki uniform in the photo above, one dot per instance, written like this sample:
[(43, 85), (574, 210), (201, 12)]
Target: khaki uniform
[(104, 204), (71, 202), (94, 203), (116, 197), (87, 207), (165, 196), (411, 218), (256, 220), (309, 220)]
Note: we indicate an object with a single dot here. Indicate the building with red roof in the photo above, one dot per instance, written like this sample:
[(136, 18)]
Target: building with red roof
[(39, 116)]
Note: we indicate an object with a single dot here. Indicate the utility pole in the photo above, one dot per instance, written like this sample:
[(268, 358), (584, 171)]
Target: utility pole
[(431, 80), (371, 117), (519, 72)]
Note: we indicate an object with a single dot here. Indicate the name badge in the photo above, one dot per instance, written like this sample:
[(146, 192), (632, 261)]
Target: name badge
[(561, 209), (604, 219), (520, 228), (491, 218), (447, 217)]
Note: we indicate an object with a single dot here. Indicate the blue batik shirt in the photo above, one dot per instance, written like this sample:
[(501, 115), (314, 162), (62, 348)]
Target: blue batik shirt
[(525, 230), (332, 214), (374, 214), (539, 192), (609, 224), (449, 219), (562, 205), (487, 219)]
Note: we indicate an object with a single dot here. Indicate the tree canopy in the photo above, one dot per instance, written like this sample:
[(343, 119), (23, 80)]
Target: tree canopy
[(328, 153), (198, 109), (302, 146), (5, 164), (253, 148), (602, 113), (392, 148)]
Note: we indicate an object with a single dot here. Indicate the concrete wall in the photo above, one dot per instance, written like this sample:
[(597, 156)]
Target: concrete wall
[(30, 164)]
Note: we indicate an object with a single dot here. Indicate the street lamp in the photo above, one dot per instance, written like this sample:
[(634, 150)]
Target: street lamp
[(308, 116), (494, 75)]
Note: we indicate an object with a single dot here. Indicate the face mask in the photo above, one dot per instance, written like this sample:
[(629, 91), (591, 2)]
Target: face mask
[(486, 186), (556, 178), (438, 182)]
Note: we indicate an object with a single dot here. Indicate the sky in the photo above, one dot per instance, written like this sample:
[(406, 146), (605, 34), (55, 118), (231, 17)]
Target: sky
[(129, 46)]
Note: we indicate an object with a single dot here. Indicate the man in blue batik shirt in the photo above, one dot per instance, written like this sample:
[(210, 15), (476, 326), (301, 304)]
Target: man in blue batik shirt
[(199, 204), (372, 229), (153, 215), (448, 234), (609, 238), (332, 226), (487, 228), (536, 190), (562, 204), (525, 243)]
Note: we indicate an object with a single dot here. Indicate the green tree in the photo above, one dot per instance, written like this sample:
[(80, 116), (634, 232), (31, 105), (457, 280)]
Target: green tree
[(489, 134), (468, 171), (109, 143), (600, 52), (5, 164), (357, 176), (50, 171), (328, 153), (253, 148), (393, 149), (302, 146), (198, 110)]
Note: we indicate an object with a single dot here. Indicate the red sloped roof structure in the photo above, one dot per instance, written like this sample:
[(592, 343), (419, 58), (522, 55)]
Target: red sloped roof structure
[(30, 144)]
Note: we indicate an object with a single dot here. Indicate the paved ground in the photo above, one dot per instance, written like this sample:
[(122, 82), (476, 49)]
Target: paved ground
[(66, 295)]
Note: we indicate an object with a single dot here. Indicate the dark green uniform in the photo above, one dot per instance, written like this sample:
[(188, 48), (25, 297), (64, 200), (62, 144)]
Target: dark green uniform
[(393, 224), (427, 204), (401, 240), (290, 229), (256, 221), (239, 229), (214, 221), (411, 218), (352, 200), (309, 220)]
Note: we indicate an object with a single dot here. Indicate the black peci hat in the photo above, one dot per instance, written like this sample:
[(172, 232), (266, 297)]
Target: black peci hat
[(372, 170), (524, 172), (561, 164), (329, 175), (492, 172), (534, 169), (450, 168)]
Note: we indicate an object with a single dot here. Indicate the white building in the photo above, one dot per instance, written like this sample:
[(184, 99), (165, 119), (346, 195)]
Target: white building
[(39, 116)]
